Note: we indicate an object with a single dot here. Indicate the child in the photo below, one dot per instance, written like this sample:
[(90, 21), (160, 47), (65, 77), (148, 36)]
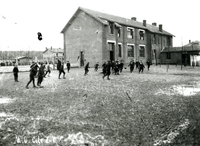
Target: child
[(96, 66), (48, 69), (121, 66), (40, 74), (108, 68), (104, 68), (68, 66), (15, 72), (61, 70), (141, 66), (116, 68), (33, 72), (131, 64), (87, 68), (148, 64)]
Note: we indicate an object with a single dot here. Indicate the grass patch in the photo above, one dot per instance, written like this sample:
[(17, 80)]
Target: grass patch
[(123, 111)]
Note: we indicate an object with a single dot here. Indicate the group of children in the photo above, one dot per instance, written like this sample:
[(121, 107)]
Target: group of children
[(61, 68), (116, 67), (40, 70), (139, 65)]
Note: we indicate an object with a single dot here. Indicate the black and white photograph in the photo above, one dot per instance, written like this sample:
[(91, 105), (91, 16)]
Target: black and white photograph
[(99, 73)]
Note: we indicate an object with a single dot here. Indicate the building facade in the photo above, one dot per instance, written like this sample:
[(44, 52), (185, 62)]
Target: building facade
[(188, 54), (53, 54), (97, 37)]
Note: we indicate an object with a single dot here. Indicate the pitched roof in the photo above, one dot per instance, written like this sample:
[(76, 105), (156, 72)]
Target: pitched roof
[(179, 49), (194, 43), (23, 57), (104, 18), (54, 50)]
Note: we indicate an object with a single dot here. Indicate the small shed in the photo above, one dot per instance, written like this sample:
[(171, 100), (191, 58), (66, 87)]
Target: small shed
[(23, 60), (187, 55)]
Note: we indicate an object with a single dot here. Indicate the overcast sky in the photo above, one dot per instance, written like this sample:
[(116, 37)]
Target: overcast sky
[(21, 20)]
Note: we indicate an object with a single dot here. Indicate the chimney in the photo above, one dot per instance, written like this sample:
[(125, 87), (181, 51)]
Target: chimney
[(160, 27), (154, 23), (133, 18), (145, 23), (189, 41)]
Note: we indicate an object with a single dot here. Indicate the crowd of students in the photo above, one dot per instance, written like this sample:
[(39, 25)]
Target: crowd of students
[(41, 70)]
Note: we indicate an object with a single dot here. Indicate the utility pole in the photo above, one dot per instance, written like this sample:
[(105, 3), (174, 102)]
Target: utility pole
[(192, 56), (181, 57), (181, 53), (168, 57)]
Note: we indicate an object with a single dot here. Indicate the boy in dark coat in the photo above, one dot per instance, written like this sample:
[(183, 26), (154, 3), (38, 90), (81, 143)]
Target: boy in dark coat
[(61, 70), (121, 66), (141, 66), (148, 64), (40, 74), (68, 66), (15, 72), (116, 68), (33, 72), (58, 64), (131, 64), (137, 64), (113, 66), (108, 68), (104, 68), (96, 66), (87, 68)]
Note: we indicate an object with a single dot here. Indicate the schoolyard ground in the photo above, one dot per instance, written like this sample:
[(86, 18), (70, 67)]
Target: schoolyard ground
[(159, 107)]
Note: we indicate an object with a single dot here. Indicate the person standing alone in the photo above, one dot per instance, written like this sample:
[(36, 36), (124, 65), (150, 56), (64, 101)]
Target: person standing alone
[(68, 66), (15, 72), (87, 68)]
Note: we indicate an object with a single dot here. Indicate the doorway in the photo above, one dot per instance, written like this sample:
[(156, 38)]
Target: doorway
[(112, 52), (111, 55), (185, 59)]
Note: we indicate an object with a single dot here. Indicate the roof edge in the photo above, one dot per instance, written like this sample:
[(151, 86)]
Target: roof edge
[(73, 16)]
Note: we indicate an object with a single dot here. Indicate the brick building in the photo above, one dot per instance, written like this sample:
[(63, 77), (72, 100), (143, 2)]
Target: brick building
[(97, 37)]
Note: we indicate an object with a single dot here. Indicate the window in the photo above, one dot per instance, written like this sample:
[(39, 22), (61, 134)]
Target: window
[(120, 50), (168, 55), (141, 33), (130, 33), (111, 28), (130, 50), (119, 32), (142, 51), (168, 41), (111, 46), (154, 39)]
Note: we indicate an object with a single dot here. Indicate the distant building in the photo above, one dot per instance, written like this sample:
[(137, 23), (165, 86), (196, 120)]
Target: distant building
[(52, 54), (187, 55), (7, 57), (23, 60), (97, 37)]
